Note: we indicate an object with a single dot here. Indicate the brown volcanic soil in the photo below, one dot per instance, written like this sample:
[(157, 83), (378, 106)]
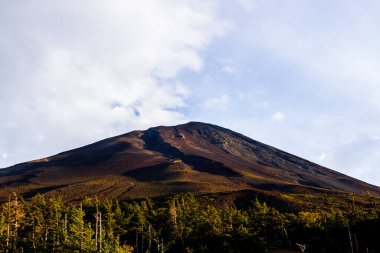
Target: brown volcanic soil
[(195, 157)]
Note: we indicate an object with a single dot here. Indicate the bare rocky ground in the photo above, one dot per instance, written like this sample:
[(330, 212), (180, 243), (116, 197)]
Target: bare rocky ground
[(193, 157)]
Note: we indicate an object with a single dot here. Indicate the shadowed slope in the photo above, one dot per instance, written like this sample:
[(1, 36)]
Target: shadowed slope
[(194, 157)]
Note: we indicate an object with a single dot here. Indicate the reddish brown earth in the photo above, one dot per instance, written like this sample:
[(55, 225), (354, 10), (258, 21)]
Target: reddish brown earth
[(195, 157)]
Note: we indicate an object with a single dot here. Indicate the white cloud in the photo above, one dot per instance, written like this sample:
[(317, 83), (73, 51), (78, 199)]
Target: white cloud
[(359, 157), (319, 61), (340, 58), (322, 157), (248, 5), (278, 116), (75, 72), (229, 67), (218, 103)]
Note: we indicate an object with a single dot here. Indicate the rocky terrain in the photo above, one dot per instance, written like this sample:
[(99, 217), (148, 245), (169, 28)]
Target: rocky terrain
[(195, 157)]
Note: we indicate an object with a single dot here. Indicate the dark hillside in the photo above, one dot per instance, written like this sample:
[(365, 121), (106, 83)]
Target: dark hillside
[(193, 157)]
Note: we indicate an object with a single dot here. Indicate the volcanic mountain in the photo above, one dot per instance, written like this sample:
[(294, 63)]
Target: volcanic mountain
[(195, 157)]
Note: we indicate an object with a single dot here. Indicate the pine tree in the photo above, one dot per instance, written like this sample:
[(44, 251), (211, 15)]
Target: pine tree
[(36, 221), (80, 233), (14, 214)]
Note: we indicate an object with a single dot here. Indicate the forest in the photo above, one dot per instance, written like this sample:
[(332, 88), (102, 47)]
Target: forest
[(182, 223)]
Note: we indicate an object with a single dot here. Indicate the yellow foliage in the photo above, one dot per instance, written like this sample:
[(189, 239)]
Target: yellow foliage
[(310, 218)]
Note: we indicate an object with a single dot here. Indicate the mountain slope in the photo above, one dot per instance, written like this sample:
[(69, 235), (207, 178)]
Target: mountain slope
[(195, 157)]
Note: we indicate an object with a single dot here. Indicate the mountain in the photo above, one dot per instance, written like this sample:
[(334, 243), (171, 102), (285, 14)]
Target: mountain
[(195, 157)]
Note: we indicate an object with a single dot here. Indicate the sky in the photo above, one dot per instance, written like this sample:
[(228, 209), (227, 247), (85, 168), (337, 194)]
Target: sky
[(303, 76)]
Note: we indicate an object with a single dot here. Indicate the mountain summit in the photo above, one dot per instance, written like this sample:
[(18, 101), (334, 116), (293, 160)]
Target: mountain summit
[(195, 157)]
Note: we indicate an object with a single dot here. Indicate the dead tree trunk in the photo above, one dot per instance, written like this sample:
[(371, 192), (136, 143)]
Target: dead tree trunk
[(100, 232), (350, 237)]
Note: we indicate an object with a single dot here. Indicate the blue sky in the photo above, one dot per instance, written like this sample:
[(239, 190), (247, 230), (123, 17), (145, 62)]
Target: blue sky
[(303, 76)]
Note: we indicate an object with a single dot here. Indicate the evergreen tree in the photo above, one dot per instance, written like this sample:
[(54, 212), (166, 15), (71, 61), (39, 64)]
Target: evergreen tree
[(80, 232)]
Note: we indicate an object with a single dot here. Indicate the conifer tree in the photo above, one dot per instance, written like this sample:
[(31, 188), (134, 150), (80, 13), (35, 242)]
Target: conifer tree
[(80, 232)]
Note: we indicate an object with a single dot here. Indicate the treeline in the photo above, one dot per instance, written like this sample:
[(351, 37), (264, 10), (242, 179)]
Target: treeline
[(180, 224)]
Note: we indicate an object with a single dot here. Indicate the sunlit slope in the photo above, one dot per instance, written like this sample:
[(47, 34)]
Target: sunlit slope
[(194, 157)]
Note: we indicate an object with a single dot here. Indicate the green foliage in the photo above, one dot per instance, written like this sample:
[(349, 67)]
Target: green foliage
[(181, 223)]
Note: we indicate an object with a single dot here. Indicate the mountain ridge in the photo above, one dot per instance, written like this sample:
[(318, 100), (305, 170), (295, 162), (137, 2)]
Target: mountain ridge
[(196, 157)]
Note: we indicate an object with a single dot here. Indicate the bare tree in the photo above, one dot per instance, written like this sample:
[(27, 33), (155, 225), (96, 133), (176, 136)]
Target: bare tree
[(301, 246), (350, 237)]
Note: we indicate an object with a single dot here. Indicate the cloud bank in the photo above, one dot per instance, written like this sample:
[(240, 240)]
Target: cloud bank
[(315, 62), (301, 76), (74, 72)]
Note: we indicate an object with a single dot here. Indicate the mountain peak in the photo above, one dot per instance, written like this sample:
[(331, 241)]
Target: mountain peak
[(196, 157)]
